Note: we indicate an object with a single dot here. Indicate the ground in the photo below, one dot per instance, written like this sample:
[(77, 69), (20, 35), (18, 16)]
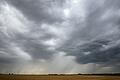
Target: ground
[(59, 77)]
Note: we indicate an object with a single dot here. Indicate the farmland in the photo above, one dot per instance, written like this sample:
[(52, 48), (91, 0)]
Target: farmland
[(59, 77)]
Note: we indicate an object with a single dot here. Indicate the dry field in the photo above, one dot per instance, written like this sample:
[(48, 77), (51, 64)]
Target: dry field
[(58, 77)]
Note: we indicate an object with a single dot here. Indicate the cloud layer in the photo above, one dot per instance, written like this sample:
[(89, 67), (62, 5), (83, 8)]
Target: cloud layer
[(75, 35)]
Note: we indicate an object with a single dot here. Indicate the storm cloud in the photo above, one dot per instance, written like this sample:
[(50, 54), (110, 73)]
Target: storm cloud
[(36, 35)]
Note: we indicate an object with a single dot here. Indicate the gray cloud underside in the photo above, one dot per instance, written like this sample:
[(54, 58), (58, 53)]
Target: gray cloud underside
[(37, 30)]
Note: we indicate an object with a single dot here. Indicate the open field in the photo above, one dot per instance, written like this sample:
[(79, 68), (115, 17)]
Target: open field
[(59, 77)]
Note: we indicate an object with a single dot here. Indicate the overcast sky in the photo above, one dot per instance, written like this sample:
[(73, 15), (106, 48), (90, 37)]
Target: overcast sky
[(59, 36)]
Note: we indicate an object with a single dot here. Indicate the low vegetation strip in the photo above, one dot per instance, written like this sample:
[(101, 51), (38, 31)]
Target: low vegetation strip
[(59, 77)]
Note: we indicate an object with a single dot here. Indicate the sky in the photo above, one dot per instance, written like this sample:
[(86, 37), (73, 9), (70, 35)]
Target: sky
[(59, 36)]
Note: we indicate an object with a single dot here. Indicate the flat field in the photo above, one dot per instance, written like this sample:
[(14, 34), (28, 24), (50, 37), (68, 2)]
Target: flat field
[(59, 77)]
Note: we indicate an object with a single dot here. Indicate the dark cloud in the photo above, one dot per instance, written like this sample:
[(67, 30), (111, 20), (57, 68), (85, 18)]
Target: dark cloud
[(57, 30), (88, 42), (7, 60), (97, 55), (15, 44), (37, 50), (39, 10)]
